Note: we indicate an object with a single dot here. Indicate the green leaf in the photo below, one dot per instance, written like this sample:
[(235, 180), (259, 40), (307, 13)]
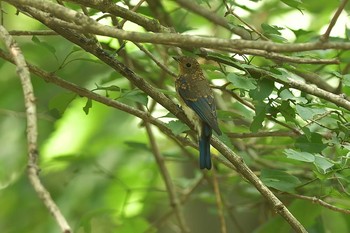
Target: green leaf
[(335, 221), (263, 90), (279, 180), (60, 102), (177, 127), (287, 111), (346, 80), (87, 106), (323, 163), (135, 224), (137, 145), (137, 96), (268, 29), (293, 3), (300, 156), (241, 82), (313, 144), (286, 94), (260, 112), (308, 113), (44, 45)]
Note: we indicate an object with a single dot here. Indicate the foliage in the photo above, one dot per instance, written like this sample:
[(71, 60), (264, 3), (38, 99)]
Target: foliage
[(284, 112)]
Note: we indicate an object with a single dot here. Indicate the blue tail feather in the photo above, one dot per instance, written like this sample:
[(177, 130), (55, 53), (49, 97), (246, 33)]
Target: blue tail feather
[(204, 147)]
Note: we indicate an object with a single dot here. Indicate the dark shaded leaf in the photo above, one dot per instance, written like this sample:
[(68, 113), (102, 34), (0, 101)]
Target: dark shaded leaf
[(61, 102), (313, 144), (279, 180), (260, 112), (287, 111), (87, 106), (263, 90)]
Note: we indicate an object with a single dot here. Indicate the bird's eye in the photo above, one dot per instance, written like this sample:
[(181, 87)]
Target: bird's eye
[(188, 64)]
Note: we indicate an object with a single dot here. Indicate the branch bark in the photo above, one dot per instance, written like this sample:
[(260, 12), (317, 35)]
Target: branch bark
[(32, 130)]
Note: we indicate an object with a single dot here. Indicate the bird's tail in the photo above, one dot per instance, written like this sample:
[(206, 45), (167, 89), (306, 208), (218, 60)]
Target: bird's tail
[(204, 147)]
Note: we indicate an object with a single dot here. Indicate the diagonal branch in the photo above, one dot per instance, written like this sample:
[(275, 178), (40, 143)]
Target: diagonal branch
[(32, 130), (341, 7)]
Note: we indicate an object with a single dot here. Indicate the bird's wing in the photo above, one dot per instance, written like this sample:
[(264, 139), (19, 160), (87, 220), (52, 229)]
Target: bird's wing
[(203, 106)]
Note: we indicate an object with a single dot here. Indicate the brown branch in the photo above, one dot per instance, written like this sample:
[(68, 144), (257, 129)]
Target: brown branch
[(341, 7), (79, 21), (32, 130), (174, 200), (169, 213), (216, 19), (263, 134), (33, 33), (284, 58), (150, 55), (219, 202), (321, 203), (229, 11), (114, 9), (307, 88), (314, 78), (248, 174)]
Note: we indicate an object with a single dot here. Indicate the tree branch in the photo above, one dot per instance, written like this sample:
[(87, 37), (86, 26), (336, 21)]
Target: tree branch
[(32, 130), (79, 21), (174, 200), (341, 7)]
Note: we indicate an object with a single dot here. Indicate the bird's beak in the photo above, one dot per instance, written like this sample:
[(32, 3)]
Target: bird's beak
[(176, 59)]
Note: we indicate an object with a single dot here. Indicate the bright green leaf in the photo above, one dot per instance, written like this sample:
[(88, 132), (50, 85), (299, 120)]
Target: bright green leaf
[(346, 80), (300, 156), (268, 29), (241, 82), (308, 113), (137, 96), (323, 163), (177, 127)]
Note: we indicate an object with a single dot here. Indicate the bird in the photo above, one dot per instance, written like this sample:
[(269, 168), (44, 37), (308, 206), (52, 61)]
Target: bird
[(197, 100)]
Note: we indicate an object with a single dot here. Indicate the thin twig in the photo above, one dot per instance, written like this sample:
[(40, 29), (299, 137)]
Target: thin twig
[(219, 202), (263, 134), (32, 130), (33, 33), (121, 24), (320, 202), (229, 11), (174, 200), (216, 19), (341, 7), (149, 54)]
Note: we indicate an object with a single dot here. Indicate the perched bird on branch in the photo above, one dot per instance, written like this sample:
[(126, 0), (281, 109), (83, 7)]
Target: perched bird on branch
[(197, 100)]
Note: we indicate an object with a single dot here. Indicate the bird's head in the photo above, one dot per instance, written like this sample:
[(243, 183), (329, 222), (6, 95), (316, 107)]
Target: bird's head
[(188, 65)]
